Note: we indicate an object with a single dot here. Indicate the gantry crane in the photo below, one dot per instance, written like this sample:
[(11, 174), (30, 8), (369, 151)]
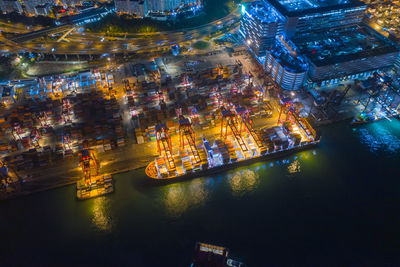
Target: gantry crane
[(16, 130), (286, 106), (66, 111), (35, 136), (247, 123), (42, 118), (186, 132), (292, 115), (164, 145), (229, 121)]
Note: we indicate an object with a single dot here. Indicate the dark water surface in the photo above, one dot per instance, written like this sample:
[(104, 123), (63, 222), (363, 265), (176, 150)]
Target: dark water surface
[(337, 204)]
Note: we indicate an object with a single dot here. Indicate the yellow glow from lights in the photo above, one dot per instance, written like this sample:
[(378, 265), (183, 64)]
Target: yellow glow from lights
[(243, 181), (180, 197), (100, 218), (294, 167), (175, 201)]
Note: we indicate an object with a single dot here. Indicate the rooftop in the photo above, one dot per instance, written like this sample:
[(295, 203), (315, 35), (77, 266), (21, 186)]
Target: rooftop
[(258, 10), (340, 45), (300, 7), (285, 53)]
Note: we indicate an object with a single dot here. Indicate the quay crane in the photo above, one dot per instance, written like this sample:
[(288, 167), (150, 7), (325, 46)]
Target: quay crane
[(35, 136), (247, 123), (229, 121), (164, 144), (286, 107), (66, 111), (292, 115), (87, 159), (43, 119), (186, 132), (16, 130)]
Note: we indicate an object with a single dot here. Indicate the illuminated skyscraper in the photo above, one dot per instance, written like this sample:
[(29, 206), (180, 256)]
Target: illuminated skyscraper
[(260, 25)]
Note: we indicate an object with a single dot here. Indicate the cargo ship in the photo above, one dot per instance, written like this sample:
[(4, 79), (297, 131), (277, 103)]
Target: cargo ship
[(238, 145)]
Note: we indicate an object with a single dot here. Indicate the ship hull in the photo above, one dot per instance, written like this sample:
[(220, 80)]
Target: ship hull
[(229, 166)]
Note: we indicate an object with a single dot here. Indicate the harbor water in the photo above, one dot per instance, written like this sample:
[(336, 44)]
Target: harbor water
[(336, 204)]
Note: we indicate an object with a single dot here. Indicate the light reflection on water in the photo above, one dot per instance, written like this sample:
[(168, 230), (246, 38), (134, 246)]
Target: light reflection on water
[(243, 181), (380, 138), (100, 212), (294, 167), (178, 198)]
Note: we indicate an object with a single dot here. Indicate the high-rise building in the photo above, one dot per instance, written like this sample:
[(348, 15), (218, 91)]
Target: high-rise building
[(285, 65), (69, 3), (163, 5), (328, 35), (131, 7), (43, 10), (30, 5), (260, 25), (9, 6), (141, 8)]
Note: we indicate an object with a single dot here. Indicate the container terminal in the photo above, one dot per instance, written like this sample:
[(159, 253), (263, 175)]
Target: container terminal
[(237, 142)]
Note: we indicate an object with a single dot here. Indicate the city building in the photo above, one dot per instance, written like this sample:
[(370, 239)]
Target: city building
[(9, 6), (87, 15), (327, 35), (43, 10), (30, 5), (311, 15), (258, 29), (131, 7), (144, 8), (345, 53), (285, 65), (70, 3)]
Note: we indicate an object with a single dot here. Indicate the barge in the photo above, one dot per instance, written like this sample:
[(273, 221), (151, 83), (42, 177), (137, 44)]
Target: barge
[(94, 187), (92, 184)]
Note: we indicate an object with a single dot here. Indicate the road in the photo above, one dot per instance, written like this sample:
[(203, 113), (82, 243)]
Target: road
[(90, 43)]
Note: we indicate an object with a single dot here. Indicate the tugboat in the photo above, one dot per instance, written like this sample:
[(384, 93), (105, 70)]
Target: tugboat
[(206, 255)]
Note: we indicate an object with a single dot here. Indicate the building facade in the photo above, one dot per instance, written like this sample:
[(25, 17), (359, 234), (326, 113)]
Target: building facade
[(9, 6), (131, 7), (345, 54), (285, 66), (70, 3), (258, 30), (329, 36), (142, 8), (30, 5)]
